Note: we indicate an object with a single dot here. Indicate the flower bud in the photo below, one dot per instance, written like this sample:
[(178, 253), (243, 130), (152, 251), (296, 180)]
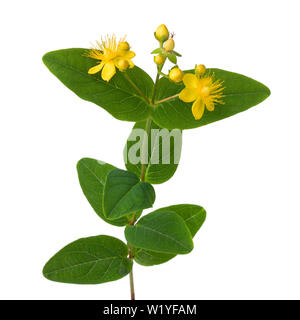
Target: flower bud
[(124, 46), (162, 33), (169, 44), (176, 75), (200, 69), (122, 64), (159, 59)]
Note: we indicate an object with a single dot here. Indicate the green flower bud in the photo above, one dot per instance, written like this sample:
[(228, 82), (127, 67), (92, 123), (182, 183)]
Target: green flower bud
[(169, 45)]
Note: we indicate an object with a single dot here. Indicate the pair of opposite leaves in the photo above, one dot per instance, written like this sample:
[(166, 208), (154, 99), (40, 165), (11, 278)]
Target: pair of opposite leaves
[(156, 238), (102, 258), (124, 195), (122, 101)]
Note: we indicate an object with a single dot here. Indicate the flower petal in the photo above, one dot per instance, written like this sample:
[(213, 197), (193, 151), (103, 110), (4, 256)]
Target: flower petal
[(190, 80), (128, 54), (188, 94), (210, 106), (96, 69), (198, 109), (131, 64), (108, 71)]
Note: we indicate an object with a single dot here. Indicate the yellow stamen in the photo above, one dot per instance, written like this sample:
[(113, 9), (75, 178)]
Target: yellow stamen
[(204, 91), (109, 52)]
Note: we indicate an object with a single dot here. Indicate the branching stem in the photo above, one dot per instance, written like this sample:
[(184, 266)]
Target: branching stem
[(143, 162), (133, 218), (136, 88), (167, 99), (155, 88)]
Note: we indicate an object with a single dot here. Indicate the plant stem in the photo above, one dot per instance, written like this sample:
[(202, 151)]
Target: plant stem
[(155, 88), (132, 293), (144, 145), (130, 251), (136, 88), (132, 221), (164, 75), (143, 164), (159, 71), (166, 99)]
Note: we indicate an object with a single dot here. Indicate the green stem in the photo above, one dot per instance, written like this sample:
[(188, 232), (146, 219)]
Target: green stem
[(136, 88), (164, 75), (132, 221), (143, 153), (143, 164), (166, 99), (130, 251), (159, 69), (155, 87), (132, 292)]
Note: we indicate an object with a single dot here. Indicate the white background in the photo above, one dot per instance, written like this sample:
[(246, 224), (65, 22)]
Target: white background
[(244, 170)]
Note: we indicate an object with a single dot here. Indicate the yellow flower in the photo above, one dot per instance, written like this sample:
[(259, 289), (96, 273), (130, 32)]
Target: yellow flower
[(109, 53), (204, 91)]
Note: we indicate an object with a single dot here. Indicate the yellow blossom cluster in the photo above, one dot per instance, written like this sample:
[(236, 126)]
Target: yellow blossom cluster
[(201, 87)]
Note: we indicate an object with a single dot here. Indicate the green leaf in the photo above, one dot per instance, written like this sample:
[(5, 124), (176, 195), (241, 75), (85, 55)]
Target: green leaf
[(151, 258), (241, 93), (162, 155), (124, 193), (117, 96), (162, 231), (92, 176), (172, 58), (177, 54), (90, 260), (158, 50), (193, 216)]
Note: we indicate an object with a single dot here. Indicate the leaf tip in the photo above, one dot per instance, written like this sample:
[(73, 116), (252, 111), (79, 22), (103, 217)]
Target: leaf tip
[(45, 58), (44, 271), (268, 92)]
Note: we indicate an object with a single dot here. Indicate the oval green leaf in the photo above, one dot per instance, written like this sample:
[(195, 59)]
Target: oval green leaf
[(90, 260), (162, 231), (163, 151), (193, 216), (124, 193), (92, 175), (151, 258), (241, 93), (117, 96)]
